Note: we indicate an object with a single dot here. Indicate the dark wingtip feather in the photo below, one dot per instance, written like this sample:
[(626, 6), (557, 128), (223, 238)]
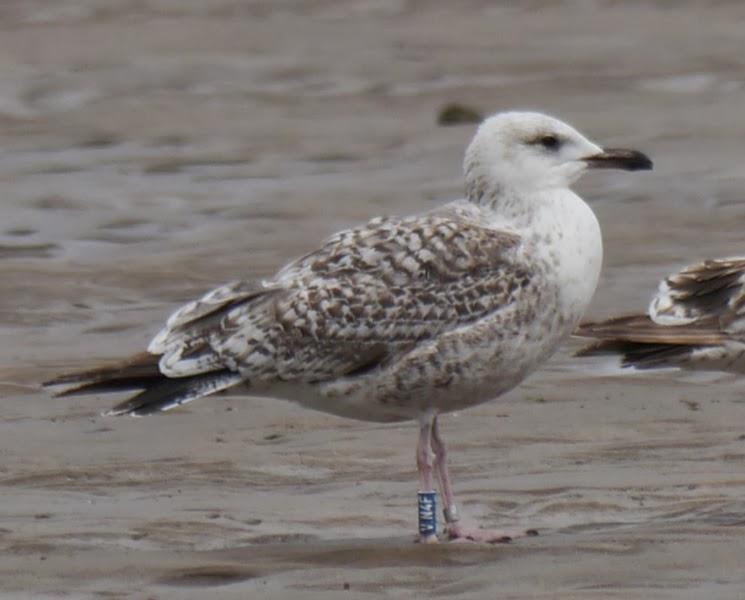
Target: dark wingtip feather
[(614, 327), (132, 373), (641, 329), (601, 348), (639, 355), (656, 356), (141, 372), (170, 393), (106, 387)]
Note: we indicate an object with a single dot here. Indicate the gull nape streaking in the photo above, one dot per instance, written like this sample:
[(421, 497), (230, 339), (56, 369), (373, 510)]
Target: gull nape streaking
[(403, 318)]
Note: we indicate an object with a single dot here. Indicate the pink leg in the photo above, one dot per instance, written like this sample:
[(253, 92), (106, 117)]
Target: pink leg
[(441, 468), (424, 465), (456, 531), (423, 456)]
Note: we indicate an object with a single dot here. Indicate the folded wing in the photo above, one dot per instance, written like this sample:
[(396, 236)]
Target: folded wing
[(695, 321), (367, 296)]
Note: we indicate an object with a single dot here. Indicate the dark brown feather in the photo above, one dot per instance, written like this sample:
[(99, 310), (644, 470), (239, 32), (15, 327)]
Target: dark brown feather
[(136, 372), (641, 329), (712, 287), (167, 393), (640, 355)]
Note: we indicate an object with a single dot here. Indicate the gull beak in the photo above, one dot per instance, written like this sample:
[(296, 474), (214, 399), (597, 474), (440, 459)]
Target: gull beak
[(618, 158)]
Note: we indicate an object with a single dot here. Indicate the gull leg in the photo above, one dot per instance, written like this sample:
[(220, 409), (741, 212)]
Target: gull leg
[(441, 468), (456, 531), (423, 456), (424, 465)]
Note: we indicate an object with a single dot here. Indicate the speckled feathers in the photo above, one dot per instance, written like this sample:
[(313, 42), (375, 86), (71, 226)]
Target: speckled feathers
[(366, 296), (696, 321), (403, 316)]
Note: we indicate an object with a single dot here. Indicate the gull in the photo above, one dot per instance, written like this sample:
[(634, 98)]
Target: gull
[(404, 318), (695, 321)]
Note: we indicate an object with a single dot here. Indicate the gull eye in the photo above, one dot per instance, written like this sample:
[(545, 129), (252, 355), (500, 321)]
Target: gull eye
[(549, 142)]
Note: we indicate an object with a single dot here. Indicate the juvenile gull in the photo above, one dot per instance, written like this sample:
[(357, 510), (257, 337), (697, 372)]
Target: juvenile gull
[(405, 317), (696, 321)]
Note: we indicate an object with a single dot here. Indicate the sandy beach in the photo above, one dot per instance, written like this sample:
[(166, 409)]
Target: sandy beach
[(150, 150)]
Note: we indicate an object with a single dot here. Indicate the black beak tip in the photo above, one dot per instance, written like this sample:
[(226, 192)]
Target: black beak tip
[(638, 161), (617, 158)]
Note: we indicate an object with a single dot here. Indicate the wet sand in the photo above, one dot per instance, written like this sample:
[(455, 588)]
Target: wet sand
[(150, 150)]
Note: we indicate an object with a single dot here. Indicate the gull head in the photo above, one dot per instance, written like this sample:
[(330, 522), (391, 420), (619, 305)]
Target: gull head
[(525, 151)]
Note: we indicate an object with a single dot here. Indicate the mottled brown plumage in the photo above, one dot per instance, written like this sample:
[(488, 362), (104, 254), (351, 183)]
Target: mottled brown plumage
[(695, 322), (404, 317)]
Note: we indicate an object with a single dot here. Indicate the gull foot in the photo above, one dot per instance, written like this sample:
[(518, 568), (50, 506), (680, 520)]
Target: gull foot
[(459, 534)]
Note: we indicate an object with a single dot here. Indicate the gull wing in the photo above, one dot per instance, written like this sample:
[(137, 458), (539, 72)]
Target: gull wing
[(712, 290), (695, 321), (643, 344), (643, 330), (367, 295)]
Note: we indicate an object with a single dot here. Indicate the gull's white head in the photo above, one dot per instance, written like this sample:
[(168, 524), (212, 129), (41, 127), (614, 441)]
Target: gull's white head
[(524, 151)]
